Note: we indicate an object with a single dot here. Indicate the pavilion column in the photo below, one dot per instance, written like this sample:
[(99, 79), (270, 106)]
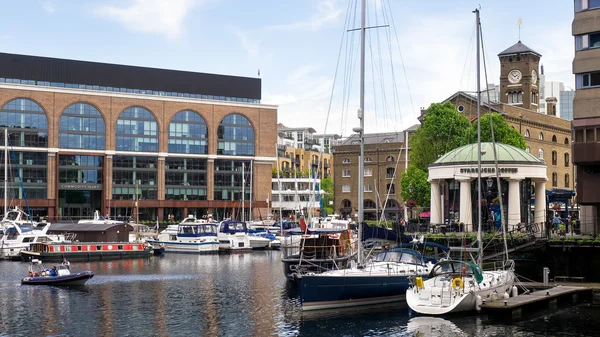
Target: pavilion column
[(514, 203), (436, 203), (539, 213), (466, 216)]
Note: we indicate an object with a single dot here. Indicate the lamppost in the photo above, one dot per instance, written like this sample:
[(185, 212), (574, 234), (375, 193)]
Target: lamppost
[(490, 182), (410, 192), (443, 190)]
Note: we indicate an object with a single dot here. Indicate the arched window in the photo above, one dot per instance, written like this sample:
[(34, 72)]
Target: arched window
[(235, 136), (389, 158), (137, 130), (188, 133), (526, 133), (368, 160), (369, 204), (567, 181), (82, 127), (541, 136), (345, 173), (391, 203), (541, 154), (553, 138), (346, 203), (566, 141), (515, 97), (346, 161), (554, 179), (389, 173), (26, 122), (554, 157), (567, 159)]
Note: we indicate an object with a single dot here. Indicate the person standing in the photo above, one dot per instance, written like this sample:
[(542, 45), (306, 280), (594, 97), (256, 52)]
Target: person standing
[(66, 263)]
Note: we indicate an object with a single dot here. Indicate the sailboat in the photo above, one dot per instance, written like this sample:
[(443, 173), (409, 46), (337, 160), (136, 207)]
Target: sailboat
[(460, 286), (383, 279)]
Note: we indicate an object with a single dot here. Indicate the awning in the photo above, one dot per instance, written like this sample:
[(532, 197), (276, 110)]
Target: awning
[(425, 215)]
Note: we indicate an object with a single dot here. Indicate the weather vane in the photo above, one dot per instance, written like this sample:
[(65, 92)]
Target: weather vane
[(520, 22)]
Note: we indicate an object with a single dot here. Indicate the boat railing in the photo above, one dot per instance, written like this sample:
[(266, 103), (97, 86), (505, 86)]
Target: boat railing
[(308, 252)]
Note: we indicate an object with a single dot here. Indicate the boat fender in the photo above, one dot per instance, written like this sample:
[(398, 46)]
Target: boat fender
[(457, 283), (515, 291), (478, 302), (419, 283), (506, 295)]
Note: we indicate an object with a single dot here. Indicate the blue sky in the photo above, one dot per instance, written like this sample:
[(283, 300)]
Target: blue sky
[(295, 44)]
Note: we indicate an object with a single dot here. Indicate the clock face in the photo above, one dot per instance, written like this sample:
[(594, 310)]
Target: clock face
[(514, 76), (534, 76)]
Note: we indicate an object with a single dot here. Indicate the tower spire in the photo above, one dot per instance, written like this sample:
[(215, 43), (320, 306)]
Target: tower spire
[(520, 22)]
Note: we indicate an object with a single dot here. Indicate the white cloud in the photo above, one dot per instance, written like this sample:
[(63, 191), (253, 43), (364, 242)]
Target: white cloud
[(250, 45), (327, 11), (48, 7), (285, 99), (162, 17)]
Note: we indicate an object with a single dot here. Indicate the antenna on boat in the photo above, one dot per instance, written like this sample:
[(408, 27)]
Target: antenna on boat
[(5, 171)]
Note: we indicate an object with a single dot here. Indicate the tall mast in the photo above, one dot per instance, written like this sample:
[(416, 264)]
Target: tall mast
[(361, 131), (5, 171), (479, 242), (251, 190), (405, 169), (279, 187), (243, 193)]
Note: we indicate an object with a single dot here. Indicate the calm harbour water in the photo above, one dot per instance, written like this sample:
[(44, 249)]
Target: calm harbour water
[(228, 295)]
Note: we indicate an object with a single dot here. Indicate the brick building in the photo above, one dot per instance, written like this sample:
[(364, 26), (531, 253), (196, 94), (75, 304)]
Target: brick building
[(90, 136)]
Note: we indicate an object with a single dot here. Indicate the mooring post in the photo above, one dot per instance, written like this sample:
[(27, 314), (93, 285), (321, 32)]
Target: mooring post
[(546, 273)]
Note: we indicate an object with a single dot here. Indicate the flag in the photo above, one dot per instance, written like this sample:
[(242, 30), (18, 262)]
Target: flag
[(303, 226)]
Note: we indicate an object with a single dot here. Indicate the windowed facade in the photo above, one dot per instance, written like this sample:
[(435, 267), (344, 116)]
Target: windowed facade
[(389, 173), (368, 188), (368, 160), (541, 154), (369, 204), (390, 188), (587, 80), (554, 179), (526, 134), (228, 179), (567, 159), (188, 133), (131, 170), (346, 161), (235, 136), (554, 157), (185, 178), (541, 136), (80, 169), (345, 173), (567, 181), (346, 188), (33, 170), (581, 5), (82, 127), (137, 131), (368, 172), (515, 97), (553, 138), (389, 159), (26, 122)]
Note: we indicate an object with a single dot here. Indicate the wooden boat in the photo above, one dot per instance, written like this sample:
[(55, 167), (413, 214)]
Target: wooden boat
[(86, 251), (63, 276)]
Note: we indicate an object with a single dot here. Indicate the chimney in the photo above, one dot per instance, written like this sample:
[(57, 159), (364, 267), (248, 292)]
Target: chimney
[(551, 106)]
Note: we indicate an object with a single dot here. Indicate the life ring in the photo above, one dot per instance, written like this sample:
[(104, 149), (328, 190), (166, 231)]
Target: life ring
[(457, 283)]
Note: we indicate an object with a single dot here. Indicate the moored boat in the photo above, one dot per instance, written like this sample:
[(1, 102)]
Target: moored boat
[(190, 237), (86, 251)]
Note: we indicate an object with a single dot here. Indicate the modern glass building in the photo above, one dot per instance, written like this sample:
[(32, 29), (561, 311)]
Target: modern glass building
[(174, 143), (566, 104)]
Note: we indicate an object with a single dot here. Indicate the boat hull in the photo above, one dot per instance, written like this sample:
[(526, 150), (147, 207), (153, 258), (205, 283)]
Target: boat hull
[(27, 256), (187, 247), (76, 279), (327, 292)]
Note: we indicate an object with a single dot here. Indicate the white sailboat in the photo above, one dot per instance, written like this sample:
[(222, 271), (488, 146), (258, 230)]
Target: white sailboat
[(460, 286)]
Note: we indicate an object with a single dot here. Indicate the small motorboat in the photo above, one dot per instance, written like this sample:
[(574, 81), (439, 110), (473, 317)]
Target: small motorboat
[(62, 277)]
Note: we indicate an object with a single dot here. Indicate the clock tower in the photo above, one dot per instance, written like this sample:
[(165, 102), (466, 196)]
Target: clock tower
[(519, 80)]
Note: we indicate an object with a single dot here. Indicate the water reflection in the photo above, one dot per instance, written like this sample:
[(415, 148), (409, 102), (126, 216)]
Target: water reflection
[(228, 295)]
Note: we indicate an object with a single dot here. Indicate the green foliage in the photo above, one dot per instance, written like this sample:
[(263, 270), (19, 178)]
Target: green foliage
[(327, 187), (444, 129), (421, 188), (503, 132)]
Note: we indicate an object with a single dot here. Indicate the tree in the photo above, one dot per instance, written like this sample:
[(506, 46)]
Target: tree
[(421, 191), (503, 132), (444, 129), (327, 187)]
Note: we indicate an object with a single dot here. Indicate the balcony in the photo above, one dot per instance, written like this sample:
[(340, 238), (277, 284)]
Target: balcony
[(586, 153)]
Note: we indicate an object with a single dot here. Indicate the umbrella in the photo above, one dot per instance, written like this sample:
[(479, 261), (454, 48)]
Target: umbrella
[(425, 215)]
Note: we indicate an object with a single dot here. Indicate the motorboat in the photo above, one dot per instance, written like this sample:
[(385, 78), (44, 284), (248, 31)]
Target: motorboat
[(17, 216), (63, 276), (189, 237), (17, 237), (141, 233), (459, 286), (98, 219), (383, 279), (233, 236)]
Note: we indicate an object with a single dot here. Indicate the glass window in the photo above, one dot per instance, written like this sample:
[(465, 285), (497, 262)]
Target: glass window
[(32, 173), (592, 3), (346, 173), (368, 172), (346, 188), (526, 133), (26, 122), (389, 172), (368, 188), (235, 136), (541, 154), (188, 133), (137, 130), (541, 136), (82, 127), (228, 179), (589, 135), (346, 161)]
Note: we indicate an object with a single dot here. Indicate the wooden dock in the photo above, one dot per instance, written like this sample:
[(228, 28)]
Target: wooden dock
[(514, 307)]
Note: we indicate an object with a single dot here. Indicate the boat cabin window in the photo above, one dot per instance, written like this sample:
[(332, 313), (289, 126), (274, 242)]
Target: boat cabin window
[(186, 230), (451, 268), (27, 240), (235, 227), (396, 257), (11, 233)]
